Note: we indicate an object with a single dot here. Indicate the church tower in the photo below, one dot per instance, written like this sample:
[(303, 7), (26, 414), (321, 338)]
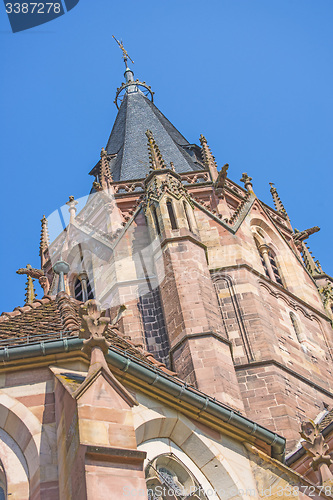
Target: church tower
[(217, 285)]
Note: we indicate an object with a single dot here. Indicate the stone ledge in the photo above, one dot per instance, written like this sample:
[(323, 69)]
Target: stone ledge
[(116, 454), (198, 335)]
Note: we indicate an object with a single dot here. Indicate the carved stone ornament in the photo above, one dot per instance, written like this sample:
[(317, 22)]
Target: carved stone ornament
[(315, 446), (94, 325)]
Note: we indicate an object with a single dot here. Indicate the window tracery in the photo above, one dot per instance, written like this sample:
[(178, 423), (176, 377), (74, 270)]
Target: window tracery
[(167, 478), (267, 256)]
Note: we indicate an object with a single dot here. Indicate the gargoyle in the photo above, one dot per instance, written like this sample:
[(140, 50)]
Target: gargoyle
[(299, 236), (37, 274), (221, 178), (30, 271)]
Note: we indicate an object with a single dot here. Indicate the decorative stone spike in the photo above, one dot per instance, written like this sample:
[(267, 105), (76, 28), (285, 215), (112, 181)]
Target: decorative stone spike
[(44, 241), (276, 199), (239, 209), (104, 173), (208, 158), (308, 259), (155, 157), (30, 294)]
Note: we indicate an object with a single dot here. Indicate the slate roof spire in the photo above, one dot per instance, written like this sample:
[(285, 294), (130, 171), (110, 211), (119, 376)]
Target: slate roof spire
[(127, 144)]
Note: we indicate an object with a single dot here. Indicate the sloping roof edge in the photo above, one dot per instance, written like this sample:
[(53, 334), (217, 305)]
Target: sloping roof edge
[(161, 381)]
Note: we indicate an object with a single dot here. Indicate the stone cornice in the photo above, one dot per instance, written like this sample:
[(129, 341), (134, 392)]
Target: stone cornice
[(199, 335)]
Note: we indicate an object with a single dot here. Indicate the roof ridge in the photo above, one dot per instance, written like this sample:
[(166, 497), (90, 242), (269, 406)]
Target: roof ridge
[(67, 311)]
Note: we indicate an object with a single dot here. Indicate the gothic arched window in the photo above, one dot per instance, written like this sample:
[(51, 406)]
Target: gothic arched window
[(167, 478), (82, 289), (187, 215), (296, 327), (157, 225), (275, 267), (269, 263), (171, 213), (78, 289)]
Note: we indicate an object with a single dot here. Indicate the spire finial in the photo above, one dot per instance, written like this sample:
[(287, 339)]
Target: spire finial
[(247, 181), (208, 158), (72, 208), (30, 294), (124, 51), (155, 157), (44, 241), (276, 199)]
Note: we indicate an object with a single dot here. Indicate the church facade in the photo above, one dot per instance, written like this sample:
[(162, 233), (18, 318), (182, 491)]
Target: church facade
[(184, 336)]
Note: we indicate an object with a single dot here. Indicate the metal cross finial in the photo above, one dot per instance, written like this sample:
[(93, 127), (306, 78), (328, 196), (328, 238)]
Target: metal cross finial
[(125, 53)]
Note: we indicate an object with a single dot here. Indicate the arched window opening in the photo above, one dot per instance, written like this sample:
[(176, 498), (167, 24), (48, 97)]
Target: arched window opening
[(187, 216), (83, 290), (157, 225), (275, 268), (296, 327), (172, 216), (269, 263), (90, 291), (78, 292), (264, 265), (167, 478)]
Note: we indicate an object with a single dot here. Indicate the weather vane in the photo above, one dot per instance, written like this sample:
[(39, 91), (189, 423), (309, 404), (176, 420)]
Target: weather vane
[(125, 53)]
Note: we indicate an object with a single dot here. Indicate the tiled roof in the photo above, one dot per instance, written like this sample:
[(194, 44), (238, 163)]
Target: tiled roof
[(136, 115), (39, 318), (54, 317)]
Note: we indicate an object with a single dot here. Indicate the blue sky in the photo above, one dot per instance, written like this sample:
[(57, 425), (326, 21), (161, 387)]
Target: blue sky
[(255, 77)]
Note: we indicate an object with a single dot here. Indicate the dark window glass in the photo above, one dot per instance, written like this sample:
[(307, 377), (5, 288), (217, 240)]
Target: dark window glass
[(264, 265), (78, 292), (275, 268), (171, 215), (90, 290), (157, 226)]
